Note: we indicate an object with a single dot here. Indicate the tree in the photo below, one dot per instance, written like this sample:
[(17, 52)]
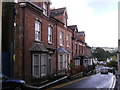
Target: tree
[(108, 54), (112, 64), (100, 54)]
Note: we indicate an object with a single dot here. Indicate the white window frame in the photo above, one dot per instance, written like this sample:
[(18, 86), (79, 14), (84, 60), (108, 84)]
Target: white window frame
[(75, 48), (79, 49), (40, 74), (68, 40), (45, 8), (75, 62), (60, 62), (61, 38), (50, 32), (38, 26), (65, 61), (44, 65), (65, 21), (33, 66)]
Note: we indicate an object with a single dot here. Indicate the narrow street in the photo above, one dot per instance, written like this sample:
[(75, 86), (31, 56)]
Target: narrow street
[(94, 82)]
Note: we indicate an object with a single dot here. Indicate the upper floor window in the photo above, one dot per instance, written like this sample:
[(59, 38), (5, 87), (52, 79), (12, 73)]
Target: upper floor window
[(76, 48), (68, 40), (61, 38), (45, 8), (38, 31), (79, 49), (50, 29)]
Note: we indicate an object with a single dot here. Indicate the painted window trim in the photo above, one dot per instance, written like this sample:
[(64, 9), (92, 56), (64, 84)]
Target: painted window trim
[(43, 74), (68, 39), (39, 67), (61, 38), (45, 9), (39, 39), (50, 42), (33, 74)]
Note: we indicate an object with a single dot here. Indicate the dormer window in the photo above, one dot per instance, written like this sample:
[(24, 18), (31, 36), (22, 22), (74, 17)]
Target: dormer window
[(65, 21), (45, 8)]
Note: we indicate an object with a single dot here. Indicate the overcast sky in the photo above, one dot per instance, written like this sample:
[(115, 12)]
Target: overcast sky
[(98, 18)]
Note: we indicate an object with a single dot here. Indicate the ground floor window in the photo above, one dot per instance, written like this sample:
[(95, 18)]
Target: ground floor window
[(39, 65), (86, 62), (77, 62), (36, 66), (68, 61), (62, 62)]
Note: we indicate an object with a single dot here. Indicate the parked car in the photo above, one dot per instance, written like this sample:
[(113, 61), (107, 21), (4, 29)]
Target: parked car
[(110, 70), (11, 84), (104, 71)]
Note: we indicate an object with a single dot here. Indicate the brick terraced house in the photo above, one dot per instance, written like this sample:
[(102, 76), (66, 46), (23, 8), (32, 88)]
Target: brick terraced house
[(64, 47), (45, 46)]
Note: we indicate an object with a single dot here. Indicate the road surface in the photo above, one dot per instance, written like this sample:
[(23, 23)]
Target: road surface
[(94, 81)]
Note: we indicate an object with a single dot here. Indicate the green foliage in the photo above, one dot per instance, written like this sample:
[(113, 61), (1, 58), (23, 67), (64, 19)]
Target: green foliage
[(114, 58), (112, 64), (71, 64), (102, 55)]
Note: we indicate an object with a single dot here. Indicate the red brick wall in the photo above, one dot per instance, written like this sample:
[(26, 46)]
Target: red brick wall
[(26, 24)]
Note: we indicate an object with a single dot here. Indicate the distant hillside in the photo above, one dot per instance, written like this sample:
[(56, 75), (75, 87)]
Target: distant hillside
[(110, 49)]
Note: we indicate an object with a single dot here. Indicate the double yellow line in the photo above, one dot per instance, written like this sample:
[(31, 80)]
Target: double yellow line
[(62, 85)]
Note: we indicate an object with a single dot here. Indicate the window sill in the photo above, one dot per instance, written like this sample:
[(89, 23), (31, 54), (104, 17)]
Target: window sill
[(68, 46), (38, 41), (61, 45), (43, 75), (50, 43)]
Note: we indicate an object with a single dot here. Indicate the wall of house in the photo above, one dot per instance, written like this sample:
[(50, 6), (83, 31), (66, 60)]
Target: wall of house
[(25, 38)]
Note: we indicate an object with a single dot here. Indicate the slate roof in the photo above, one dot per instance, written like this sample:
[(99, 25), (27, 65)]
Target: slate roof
[(35, 6), (76, 57), (73, 27), (38, 47), (57, 12), (62, 50), (82, 33)]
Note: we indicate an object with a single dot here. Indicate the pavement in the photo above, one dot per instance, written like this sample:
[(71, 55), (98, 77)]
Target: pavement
[(115, 84), (30, 87)]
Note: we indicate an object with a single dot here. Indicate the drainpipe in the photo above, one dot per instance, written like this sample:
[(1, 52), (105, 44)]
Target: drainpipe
[(56, 50), (0, 33)]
